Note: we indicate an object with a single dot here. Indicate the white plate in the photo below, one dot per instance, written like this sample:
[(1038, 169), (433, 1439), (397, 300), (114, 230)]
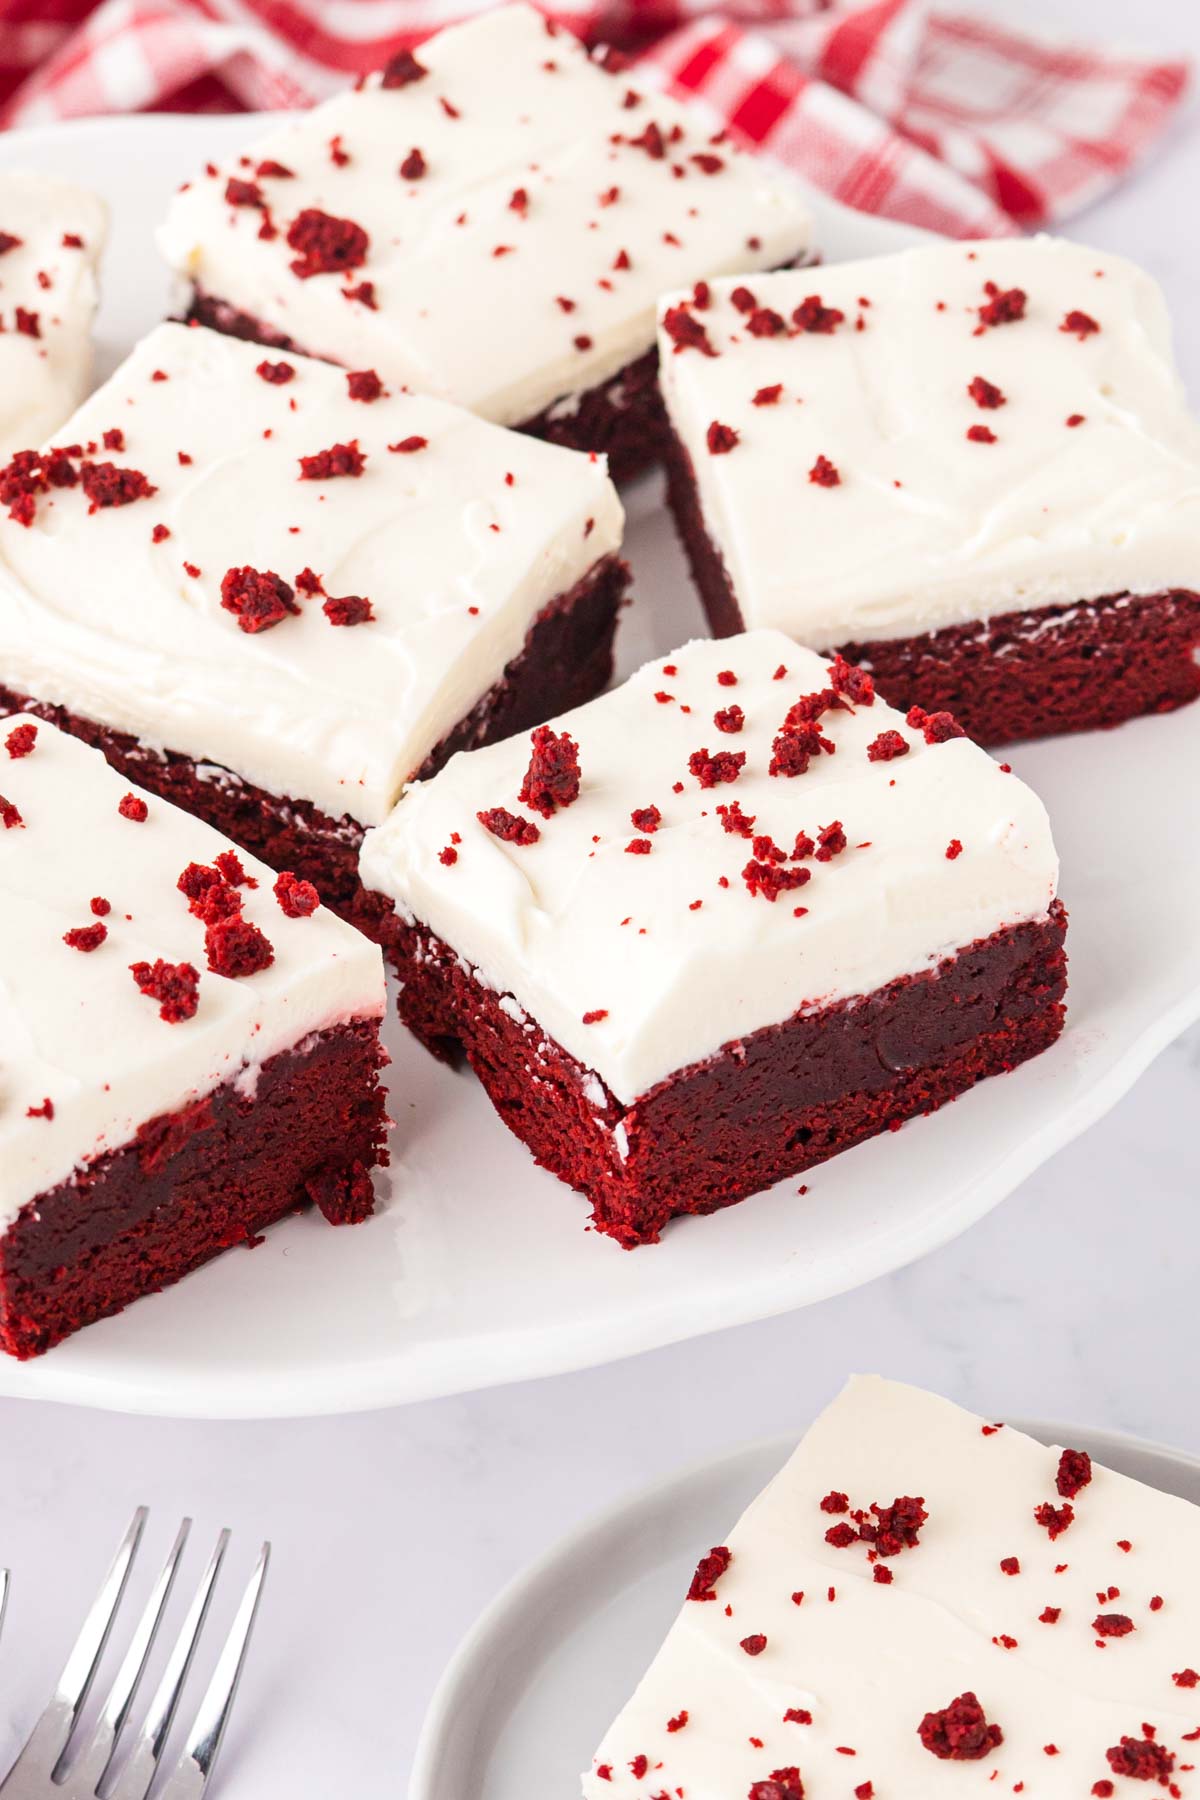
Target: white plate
[(478, 1268), (540, 1678)]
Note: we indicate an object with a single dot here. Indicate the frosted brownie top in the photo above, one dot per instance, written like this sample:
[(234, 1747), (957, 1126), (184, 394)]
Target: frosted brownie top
[(491, 220), (925, 1604), (886, 447), (290, 570), (738, 832)]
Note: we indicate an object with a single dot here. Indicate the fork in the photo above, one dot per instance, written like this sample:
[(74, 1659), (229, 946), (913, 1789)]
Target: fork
[(45, 1771)]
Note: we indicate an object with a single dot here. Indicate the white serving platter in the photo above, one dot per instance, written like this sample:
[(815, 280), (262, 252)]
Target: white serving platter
[(478, 1268), (535, 1685)]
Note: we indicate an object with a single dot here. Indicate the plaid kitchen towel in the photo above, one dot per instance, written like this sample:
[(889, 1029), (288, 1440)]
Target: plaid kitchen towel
[(943, 119)]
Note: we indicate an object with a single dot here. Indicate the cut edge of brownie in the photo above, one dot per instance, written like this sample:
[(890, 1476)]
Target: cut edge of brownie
[(191, 1183), (763, 1108), (567, 659), (1041, 672)]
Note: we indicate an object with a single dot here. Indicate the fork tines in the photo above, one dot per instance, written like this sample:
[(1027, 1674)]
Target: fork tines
[(47, 1770)]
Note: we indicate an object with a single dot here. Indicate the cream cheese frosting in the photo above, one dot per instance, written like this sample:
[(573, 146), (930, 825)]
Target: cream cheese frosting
[(575, 924), (74, 1028), (519, 233), (859, 1662), (458, 533), (51, 238), (1081, 480)]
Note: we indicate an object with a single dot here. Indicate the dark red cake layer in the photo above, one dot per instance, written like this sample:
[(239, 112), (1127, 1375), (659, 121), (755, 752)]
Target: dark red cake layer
[(194, 1182), (1050, 670), (622, 418), (764, 1108), (566, 659), (1038, 673)]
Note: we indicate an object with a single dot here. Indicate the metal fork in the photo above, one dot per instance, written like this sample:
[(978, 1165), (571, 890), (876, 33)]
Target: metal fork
[(45, 1771)]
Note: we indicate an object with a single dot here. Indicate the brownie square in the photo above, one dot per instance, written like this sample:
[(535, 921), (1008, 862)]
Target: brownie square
[(720, 924), (189, 1047), (924, 1602), (490, 220), (272, 590), (970, 468)]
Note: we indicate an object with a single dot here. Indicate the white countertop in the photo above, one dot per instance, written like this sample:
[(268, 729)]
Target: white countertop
[(1075, 1300)]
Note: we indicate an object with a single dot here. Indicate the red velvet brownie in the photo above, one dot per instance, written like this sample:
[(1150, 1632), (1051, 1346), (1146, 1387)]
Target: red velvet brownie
[(969, 468), (189, 1046), (722, 923), (926, 1605), (51, 237), (272, 590), (490, 220)]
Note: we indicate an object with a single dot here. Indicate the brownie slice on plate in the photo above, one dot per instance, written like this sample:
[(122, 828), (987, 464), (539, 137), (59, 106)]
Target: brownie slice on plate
[(189, 1045), (923, 1602), (722, 923), (272, 590), (970, 468), (51, 237), (491, 220)]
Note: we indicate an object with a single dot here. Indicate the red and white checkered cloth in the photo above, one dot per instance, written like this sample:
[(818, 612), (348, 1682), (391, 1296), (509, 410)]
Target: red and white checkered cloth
[(939, 118)]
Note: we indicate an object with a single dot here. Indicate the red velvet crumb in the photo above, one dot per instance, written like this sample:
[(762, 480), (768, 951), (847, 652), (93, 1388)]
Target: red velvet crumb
[(855, 683), (1141, 1759), (414, 166), (824, 473), (1080, 323), (709, 1570), (348, 609), (986, 394), (236, 948), (258, 599), (600, 1012), (735, 821), (729, 719), (364, 384), (953, 850), (834, 1502), (408, 446), (981, 434), (134, 808), (101, 907), (325, 245), (509, 827), (552, 778), (1056, 1519), (646, 818), (720, 438), (810, 315), (767, 396), (85, 937), (401, 70), (297, 899), (755, 1644), (831, 841), (887, 746), (638, 847), (275, 374), (710, 771), (1112, 1625), (1010, 1565), (1003, 307), (174, 985), (339, 459), (959, 1732), (938, 727), (686, 332), (21, 740), (769, 880), (1074, 1472), (784, 1784), (107, 485)]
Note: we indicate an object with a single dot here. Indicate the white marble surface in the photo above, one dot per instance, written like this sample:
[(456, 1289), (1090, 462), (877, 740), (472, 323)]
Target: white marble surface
[(1075, 1300)]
